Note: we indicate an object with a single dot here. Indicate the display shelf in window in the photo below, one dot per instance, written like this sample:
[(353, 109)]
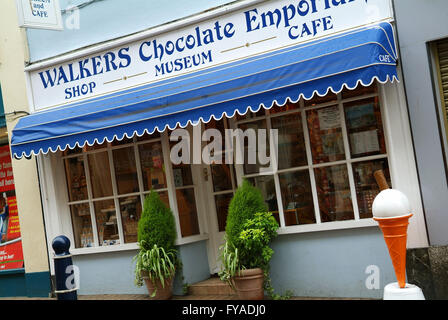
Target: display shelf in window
[(82, 225), (76, 179)]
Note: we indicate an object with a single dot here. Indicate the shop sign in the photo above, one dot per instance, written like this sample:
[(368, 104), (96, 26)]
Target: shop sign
[(250, 31), (11, 255), (40, 14)]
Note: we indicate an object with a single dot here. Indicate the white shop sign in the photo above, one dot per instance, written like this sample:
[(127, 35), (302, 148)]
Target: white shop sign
[(236, 35), (40, 14)]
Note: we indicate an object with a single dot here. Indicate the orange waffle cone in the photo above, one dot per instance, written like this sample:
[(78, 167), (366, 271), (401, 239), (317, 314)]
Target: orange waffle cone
[(395, 235)]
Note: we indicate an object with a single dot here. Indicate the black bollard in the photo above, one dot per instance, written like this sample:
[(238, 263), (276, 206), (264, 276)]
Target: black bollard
[(63, 269)]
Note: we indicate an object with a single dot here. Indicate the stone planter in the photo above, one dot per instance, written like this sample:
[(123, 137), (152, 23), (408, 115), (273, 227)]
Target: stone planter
[(249, 284)]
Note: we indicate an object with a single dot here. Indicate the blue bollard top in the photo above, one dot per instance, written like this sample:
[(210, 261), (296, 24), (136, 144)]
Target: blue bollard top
[(61, 245)]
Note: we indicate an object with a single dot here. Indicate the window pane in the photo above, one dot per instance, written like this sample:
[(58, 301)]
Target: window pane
[(182, 175), (266, 185), (95, 146), (360, 90), (145, 137), (333, 190), (122, 142), (316, 100), (100, 174), (364, 127), (291, 144), (153, 169), (287, 107), (222, 202), (188, 216), (297, 198), (82, 225), (131, 209), (125, 170), (76, 179), (324, 126), (69, 151), (221, 177), (366, 186), (106, 222), (250, 115), (250, 145)]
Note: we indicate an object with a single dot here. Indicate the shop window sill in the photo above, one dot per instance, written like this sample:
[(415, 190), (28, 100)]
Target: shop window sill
[(131, 246), (327, 226)]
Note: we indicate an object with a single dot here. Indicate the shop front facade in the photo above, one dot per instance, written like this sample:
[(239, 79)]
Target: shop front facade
[(107, 120)]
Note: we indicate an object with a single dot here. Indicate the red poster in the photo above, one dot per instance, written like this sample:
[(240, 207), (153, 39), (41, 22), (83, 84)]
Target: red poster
[(11, 255), (6, 176)]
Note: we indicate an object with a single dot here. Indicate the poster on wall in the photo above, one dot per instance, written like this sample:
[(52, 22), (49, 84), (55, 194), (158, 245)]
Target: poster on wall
[(11, 255)]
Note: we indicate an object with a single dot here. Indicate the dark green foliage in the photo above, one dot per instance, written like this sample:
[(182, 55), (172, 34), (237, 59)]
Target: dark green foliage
[(247, 201), (156, 225)]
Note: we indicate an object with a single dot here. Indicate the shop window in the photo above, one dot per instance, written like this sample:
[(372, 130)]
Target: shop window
[(107, 185), (266, 184), (364, 128), (328, 149), (333, 191), (325, 130), (125, 170), (297, 198), (153, 169), (366, 186), (291, 143), (76, 179), (106, 223), (82, 225), (131, 210), (100, 175)]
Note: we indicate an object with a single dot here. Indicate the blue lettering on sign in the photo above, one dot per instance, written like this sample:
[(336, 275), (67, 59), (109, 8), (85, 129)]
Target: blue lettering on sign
[(183, 63), (79, 90), (289, 17)]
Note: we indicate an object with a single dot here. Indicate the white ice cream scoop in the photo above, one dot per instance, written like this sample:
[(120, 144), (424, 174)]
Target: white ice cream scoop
[(391, 203)]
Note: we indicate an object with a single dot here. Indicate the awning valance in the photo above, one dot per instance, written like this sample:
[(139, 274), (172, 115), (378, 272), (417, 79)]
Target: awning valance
[(359, 56)]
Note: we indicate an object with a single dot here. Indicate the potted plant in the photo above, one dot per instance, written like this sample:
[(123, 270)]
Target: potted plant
[(157, 258), (246, 253)]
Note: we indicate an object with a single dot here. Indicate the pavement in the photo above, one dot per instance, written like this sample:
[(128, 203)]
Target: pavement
[(186, 297)]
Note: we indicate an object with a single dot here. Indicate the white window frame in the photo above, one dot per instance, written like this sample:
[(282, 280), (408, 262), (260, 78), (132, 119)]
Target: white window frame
[(319, 225), (55, 164)]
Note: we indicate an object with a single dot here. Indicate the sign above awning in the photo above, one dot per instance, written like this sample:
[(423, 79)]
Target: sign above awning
[(347, 59), (246, 32)]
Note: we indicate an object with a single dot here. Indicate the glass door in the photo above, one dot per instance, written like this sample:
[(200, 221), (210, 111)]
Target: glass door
[(220, 182)]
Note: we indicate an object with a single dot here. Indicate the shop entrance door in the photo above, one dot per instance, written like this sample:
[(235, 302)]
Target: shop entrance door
[(219, 184)]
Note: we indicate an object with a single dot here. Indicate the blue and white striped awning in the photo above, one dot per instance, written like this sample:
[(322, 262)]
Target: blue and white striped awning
[(356, 57)]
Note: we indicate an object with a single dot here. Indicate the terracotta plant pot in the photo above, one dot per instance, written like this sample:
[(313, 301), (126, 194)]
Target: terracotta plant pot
[(249, 284), (162, 292)]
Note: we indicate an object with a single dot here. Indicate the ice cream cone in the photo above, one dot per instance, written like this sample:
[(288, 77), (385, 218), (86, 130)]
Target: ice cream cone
[(395, 234)]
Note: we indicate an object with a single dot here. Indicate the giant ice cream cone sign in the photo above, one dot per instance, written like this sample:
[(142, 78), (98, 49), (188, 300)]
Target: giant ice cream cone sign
[(391, 209)]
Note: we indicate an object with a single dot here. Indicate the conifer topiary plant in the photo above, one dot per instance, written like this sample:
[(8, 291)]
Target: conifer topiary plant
[(246, 253), (156, 225), (157, 258), (246, 201)]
